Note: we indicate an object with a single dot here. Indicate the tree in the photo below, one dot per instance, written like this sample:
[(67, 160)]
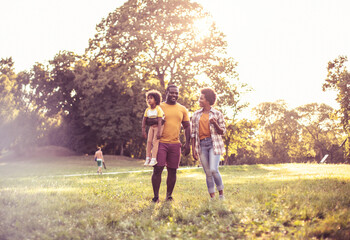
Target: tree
[(149, 44), (110, 107), (20, 126), (53, 85), (338, 79), (57, 96), (7, 86), (160, 42), (269, 115), (280, 129), (320, 131), (239, 141), (8, 110)]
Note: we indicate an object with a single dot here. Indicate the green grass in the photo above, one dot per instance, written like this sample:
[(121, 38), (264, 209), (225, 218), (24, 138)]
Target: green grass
[(288, 201)]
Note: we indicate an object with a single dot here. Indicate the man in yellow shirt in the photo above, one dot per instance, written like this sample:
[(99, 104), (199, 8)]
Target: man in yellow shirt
[(169, 150)]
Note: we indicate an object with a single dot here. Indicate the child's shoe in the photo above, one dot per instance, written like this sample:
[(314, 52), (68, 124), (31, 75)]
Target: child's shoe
[(152, 162), (147, 161)]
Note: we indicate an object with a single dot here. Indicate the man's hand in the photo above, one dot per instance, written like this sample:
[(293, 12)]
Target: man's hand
[(187, 149), (144, 134)]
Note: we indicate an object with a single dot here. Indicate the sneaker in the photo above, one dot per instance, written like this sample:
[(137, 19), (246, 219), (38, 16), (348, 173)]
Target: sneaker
[(155, 200), (152, 162), (221, 197), (147, 161)]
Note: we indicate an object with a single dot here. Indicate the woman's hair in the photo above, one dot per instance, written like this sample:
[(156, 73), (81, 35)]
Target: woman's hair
[(209, 95), (155, 94)]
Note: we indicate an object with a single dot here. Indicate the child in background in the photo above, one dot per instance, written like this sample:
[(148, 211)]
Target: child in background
[(99, 159), (153, 118)]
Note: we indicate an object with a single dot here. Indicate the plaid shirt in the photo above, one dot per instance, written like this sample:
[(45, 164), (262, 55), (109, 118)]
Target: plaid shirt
[(218, 144)]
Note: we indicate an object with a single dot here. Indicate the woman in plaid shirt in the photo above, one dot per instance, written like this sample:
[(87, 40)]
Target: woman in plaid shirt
[(208, 125)]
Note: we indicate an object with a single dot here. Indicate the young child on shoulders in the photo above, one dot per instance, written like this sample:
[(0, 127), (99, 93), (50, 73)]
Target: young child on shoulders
[(154, 118)]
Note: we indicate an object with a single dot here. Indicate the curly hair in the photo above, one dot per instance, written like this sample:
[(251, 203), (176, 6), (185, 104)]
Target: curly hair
[(155, 94), (209, 94)]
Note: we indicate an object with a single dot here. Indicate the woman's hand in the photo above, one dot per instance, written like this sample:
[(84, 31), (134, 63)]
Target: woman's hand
[(216, 125), (213, 121)]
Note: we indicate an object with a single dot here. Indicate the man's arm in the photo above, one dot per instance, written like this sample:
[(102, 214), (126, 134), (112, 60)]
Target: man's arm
[(159, 127), (187, 126), (144, 127)]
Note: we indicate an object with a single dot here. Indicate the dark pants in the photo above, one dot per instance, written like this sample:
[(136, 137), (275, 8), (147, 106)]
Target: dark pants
[(168, 155), (157, 179)]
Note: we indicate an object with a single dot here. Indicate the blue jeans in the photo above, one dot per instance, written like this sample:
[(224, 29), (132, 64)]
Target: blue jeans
[(210, 163)]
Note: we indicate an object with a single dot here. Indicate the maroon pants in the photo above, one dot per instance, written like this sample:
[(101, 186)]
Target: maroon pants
[(168, 155)]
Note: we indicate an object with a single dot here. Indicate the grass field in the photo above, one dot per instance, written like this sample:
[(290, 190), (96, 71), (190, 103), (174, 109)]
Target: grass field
[(289, 201)]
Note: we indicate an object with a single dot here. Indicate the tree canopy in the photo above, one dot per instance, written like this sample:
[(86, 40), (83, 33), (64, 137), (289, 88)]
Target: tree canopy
[(155, 43), (338, 79)]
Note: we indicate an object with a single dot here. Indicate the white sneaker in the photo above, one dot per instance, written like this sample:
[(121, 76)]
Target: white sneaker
[(221, 197), (147, 161), (152, 162)]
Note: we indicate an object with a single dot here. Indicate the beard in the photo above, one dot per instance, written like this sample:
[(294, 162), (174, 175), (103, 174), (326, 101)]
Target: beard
[(172, 99)]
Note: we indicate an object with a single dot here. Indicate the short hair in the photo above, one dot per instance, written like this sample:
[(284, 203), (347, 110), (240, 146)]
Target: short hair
[(99, 148), (155, 94), (171, 86), (209, 95)]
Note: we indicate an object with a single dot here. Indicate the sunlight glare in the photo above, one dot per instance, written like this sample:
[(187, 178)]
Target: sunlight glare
[(195, 175), (201, 27), (203, 79)]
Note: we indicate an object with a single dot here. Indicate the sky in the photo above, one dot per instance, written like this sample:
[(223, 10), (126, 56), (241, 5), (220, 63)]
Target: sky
[(282, 46)]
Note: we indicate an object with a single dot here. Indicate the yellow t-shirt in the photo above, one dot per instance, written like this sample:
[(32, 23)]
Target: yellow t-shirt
[(154, 113), (204, 130), (174, 116)]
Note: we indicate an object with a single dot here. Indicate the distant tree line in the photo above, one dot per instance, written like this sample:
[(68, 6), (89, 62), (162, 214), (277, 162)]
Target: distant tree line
[(98, 98), (304, 134)]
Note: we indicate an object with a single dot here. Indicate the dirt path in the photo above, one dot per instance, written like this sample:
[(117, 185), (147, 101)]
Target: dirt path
[(114, 173)]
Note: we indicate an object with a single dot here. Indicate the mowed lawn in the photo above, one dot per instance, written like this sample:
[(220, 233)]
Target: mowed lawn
[(40, 200)]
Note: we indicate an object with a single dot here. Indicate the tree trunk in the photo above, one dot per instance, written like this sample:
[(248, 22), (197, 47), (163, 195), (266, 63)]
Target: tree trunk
[(121, 149)]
